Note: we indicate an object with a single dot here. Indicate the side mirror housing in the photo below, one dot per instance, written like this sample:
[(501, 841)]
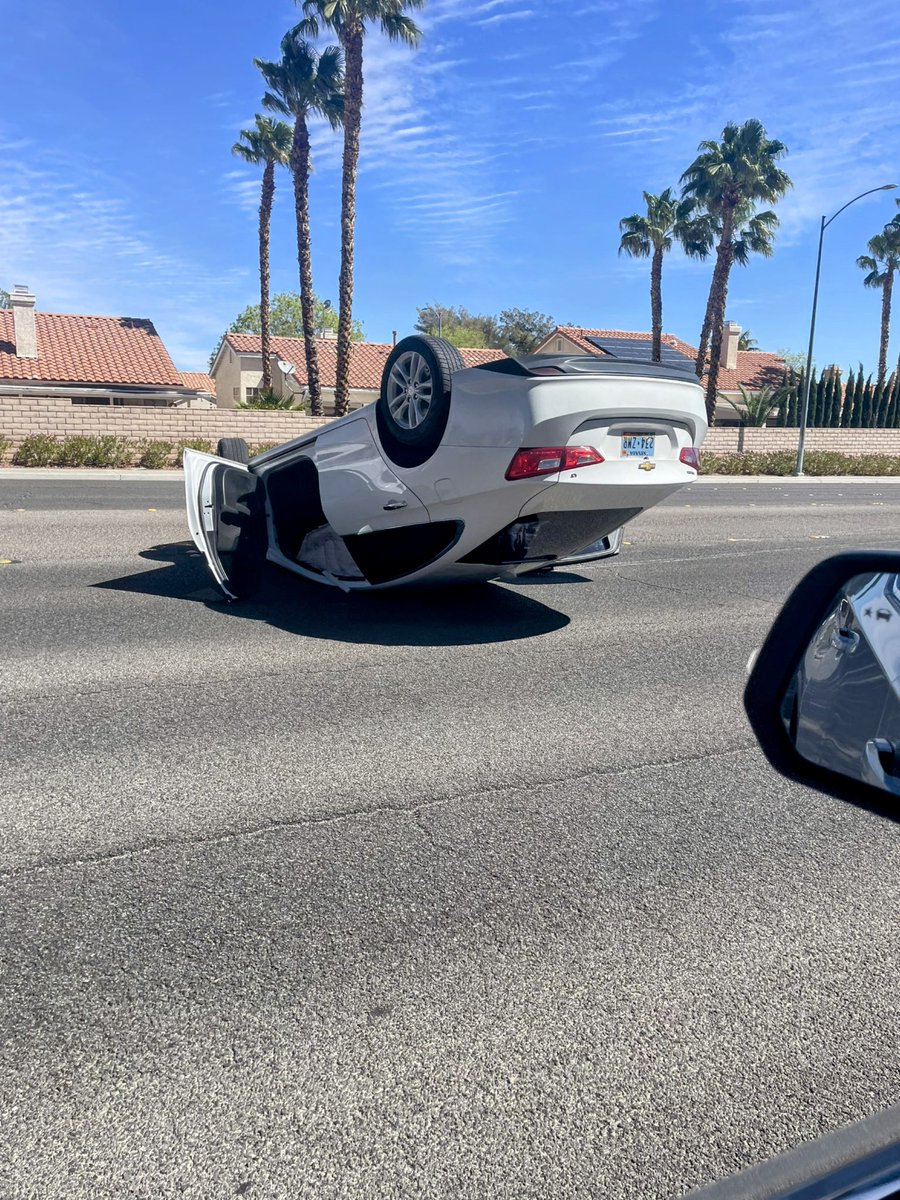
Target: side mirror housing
[(823, 697)]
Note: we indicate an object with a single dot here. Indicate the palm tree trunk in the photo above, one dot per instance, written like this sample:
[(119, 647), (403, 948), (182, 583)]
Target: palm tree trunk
[(718, 296), (352, 44), (707, 327), (300, 172), (886, 290), (265, 221), (656, 303)]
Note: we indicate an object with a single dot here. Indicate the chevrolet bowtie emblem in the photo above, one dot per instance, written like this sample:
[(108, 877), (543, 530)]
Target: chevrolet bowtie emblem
[(646, 465)]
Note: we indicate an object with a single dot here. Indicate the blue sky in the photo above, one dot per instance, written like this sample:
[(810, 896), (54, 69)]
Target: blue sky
[(497, 160)]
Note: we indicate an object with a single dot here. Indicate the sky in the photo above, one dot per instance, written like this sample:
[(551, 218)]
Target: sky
[(497, 160)]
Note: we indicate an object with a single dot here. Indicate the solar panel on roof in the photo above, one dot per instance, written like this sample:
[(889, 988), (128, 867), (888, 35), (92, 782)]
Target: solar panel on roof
[(640, 349)]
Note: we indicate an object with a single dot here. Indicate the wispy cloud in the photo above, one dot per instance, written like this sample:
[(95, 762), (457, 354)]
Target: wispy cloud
[(519, 14)]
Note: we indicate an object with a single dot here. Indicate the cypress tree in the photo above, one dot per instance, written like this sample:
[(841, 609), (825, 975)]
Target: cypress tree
[(830, 391), (836, 395), (881, 417), (847, 399), (856, 398), (874, 409), (817, 392), (893, 415), (789, 408), (863, 407)]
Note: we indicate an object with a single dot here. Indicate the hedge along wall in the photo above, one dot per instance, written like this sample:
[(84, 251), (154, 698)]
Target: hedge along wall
[(21, 417)]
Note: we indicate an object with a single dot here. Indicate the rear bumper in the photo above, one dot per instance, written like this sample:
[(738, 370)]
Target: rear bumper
[(572, 514), (627, 484)]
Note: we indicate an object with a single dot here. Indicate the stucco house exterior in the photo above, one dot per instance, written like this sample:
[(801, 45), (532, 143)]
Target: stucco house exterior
[(237, 368), (91, 360), (753, 369)]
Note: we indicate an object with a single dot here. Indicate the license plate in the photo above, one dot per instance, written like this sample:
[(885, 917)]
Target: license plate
[(638, 445)]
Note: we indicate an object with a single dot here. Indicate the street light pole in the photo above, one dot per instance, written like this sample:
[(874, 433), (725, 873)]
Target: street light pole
[(804, 412)]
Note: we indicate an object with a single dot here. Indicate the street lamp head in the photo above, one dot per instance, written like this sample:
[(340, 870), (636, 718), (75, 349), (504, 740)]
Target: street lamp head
[(887, 187)]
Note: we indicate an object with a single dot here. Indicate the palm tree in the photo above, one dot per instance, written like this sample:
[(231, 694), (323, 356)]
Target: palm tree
[(882, 262), (268, 143), (747, 341), (725, 179), (349, 19), (651, 236), (753, 238), (302, 83)]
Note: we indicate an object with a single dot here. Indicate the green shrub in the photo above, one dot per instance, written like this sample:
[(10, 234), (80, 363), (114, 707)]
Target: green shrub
[(5, 445), (269, 400), (154, 455), (39, 450), (201, 444), (262, 447), (815, 462), (75, 452), (109, 451)]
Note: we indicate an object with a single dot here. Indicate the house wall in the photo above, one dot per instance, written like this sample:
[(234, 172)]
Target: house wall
[(234, 371), (245, 371)]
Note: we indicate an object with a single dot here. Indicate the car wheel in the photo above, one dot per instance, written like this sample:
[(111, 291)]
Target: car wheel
[(414, 404), (234, 449)]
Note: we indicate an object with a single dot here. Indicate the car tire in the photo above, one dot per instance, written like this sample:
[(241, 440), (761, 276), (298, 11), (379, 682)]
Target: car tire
[(413, 406), (234, 449)]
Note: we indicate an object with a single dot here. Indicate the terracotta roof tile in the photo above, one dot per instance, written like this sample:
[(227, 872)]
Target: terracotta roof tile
[(367, 359), (755, 368), (198, 381), (83, 349)]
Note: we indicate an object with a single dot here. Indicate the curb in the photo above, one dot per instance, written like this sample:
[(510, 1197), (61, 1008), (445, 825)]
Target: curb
[(90, 473), (794, 480)]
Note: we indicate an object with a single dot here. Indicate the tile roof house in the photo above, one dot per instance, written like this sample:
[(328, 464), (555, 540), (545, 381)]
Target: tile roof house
[(237, 368), (200, 382), (91, 360), (753, 369)]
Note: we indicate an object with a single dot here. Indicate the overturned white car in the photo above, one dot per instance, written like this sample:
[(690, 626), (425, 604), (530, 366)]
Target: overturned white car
[(455, 474)]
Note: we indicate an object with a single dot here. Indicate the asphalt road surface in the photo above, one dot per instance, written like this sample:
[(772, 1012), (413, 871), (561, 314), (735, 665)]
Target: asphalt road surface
[(447, 894)]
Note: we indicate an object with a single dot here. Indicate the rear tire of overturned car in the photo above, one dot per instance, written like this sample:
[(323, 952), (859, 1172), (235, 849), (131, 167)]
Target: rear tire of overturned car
[(235, 449), (413, 407)]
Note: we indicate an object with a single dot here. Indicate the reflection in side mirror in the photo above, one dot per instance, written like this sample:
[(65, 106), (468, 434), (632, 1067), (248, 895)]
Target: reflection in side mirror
[(823, 695), (842, 708)]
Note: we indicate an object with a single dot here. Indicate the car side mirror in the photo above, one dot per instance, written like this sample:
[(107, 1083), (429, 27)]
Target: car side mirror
[(823, 697)]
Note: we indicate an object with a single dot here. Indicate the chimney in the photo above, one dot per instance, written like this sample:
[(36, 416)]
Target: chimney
[(22, 304), (731, 334), (393, 337)]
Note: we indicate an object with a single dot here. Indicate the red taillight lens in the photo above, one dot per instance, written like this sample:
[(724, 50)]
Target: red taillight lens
[(690, 456), (546, 460)]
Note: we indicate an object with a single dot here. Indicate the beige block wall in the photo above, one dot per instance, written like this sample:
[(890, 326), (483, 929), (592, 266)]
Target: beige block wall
[(21, 417), (845, 441)]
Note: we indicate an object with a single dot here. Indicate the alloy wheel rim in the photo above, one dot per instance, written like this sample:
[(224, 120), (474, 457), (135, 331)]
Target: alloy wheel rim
[(410, 390)]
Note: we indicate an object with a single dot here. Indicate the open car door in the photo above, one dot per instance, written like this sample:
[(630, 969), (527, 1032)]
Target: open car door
[(227, 520)]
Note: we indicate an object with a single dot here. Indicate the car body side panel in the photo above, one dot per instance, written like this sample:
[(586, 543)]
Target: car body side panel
[(360, 493)]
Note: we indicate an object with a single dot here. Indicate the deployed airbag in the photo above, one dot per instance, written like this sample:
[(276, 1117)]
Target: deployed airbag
[(323, 550)]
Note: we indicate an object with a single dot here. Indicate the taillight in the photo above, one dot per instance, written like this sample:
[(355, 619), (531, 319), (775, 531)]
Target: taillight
[(546, 460), (690, 456)]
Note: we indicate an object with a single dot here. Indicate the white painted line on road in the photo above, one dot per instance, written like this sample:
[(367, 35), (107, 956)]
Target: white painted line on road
[(652, 562)]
